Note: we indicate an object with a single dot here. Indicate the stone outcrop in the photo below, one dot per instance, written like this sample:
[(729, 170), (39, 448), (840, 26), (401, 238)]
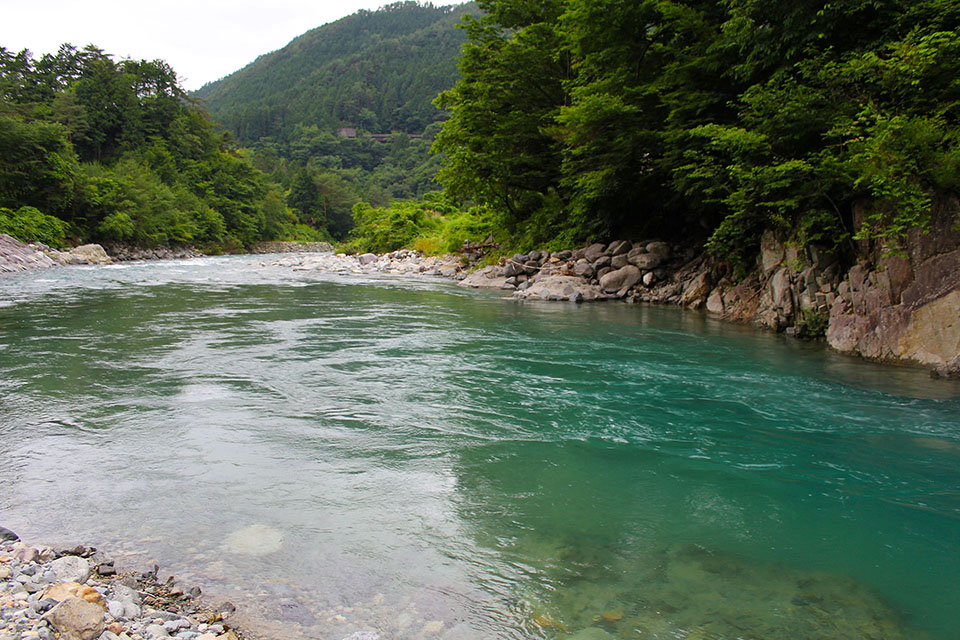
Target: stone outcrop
[(905, 305), (904, 308), (17, 256)]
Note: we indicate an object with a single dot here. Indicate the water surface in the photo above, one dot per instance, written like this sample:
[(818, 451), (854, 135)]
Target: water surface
[(353, 453)]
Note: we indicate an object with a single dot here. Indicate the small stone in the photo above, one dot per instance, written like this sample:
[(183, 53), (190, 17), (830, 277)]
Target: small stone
[(363, 635), (612, 616), (115, 627), (71, 569), (155, 631), (8, 536)]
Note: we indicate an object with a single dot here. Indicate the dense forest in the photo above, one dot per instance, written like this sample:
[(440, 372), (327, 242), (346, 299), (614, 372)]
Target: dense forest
[(578, 119), (373, 72), (564, 121), (95, 149)]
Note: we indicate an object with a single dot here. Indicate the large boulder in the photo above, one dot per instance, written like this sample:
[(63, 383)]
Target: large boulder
[(71, 569), (584, 270), (490, 277), (621, 279), (646, 260), (91, 254), (76, 619), (695, 292), (594, 251), (561, 288), (619, 247)]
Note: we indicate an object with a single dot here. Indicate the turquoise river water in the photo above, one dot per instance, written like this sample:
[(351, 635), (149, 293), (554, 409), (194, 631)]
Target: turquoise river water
[(344, 453)]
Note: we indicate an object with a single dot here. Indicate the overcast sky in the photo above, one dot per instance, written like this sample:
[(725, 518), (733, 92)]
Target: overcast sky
[(203, 40)]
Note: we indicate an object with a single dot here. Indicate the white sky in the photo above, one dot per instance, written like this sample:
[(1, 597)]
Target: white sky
[(203, 40)]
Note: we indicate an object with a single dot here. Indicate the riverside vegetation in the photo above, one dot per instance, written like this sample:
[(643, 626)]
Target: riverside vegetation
[(829, 130)]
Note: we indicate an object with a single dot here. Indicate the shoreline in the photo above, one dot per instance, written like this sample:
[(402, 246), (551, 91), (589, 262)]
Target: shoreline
[(897, 310), (80, 593)]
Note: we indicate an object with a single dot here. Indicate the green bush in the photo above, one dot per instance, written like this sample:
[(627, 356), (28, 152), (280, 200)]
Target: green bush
[(28, 224)]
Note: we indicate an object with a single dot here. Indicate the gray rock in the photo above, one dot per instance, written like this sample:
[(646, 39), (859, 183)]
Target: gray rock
[(715, 302), (116, 609), (71, 569), (125, 594), (619, 261), (155, 631), (173, 626), (619, 247), (601, 262), (646, 260), (363, 635), (594, 251), (563, 255), (620, 279), (658, 247), (511, 269), (8, 536), (76, 619), (560, 288), (92, 254), (366, 258), (696, 291), (584, 270)]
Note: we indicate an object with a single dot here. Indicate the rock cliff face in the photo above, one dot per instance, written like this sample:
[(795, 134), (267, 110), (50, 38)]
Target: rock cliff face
[(905, 306), (902, 306)]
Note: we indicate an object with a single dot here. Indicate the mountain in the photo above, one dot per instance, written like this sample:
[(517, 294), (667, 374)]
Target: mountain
[(375, 70)]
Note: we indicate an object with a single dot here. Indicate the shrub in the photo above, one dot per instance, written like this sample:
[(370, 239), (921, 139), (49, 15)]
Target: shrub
[(28, 224)]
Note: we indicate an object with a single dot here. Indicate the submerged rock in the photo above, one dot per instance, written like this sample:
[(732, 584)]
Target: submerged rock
[(255, 540)]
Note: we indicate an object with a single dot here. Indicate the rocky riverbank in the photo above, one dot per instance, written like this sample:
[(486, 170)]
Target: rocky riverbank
[(395, 263), (889, 308), (80, 594), (18, 256)]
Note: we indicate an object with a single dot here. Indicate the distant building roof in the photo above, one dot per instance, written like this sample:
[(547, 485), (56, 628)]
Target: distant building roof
[(347, 132)]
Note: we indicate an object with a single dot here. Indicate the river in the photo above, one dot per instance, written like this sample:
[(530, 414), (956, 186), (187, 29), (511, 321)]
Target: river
[(343, 453)]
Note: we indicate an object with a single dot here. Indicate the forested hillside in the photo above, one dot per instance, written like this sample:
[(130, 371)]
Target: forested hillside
[(579, 119), (95, 149), (374, 70)]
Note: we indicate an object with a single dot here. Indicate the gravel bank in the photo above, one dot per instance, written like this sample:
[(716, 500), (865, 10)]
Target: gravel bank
[(79, 594)]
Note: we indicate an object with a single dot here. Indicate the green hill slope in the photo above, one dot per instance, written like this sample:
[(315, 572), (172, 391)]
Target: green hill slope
[(376, 70)]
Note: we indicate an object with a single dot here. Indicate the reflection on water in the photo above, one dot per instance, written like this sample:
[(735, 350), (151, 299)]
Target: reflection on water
[(406, 457)]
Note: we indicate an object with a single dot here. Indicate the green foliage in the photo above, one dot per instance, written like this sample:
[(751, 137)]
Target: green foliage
[(151, 170), (432, 225), (376, 70), (28, 224), (577, 120), (813, 324)]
